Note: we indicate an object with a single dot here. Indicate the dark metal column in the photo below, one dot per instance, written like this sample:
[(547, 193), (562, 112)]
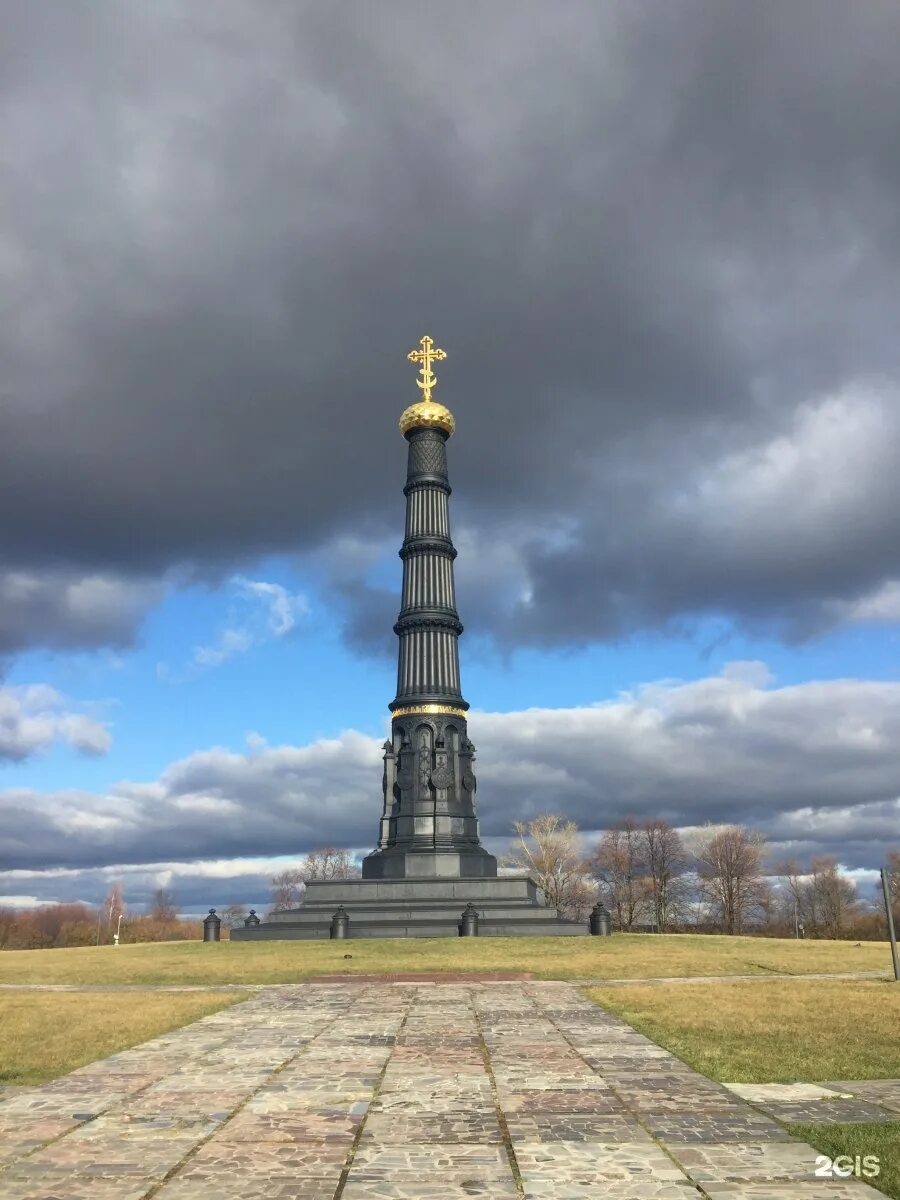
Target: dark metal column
[(428, 825)]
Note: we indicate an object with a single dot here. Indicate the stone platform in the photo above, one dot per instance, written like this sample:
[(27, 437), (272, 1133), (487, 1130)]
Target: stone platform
[(507, 906)]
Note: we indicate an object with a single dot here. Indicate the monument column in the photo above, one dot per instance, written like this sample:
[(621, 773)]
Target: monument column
[(428, 826)]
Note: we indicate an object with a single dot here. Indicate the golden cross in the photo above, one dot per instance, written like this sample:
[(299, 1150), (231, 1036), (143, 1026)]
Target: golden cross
[(426, 356)]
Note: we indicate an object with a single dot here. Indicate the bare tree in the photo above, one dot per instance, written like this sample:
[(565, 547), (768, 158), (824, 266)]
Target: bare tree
[(549, 848), (114, 903), (618, 865), (767, 906), (110, 909), (233, 916), (893, 866), (666, 861), (163, 907), (287, 889), (328, 863), (729, 867), (824, 902), (793, 894), (834, 896)]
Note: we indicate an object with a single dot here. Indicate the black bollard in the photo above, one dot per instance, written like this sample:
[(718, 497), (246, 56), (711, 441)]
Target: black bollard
[(468, 926), (600, 922), (252, 920), (212, 927), (340, 923)]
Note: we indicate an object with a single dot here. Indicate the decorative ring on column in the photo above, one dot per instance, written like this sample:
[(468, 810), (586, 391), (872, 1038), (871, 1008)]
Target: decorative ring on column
[(426, 709), (429, 620), (420, 545)]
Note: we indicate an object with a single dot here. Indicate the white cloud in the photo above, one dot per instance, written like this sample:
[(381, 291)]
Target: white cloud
[(283, 606), (258, 612), (33, 717), (231, 642), (14, 901)]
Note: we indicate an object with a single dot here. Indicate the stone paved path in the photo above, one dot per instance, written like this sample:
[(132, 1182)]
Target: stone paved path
[(503, 1091)]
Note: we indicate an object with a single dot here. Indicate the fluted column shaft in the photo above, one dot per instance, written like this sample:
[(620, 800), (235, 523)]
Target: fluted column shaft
[(428, 625)]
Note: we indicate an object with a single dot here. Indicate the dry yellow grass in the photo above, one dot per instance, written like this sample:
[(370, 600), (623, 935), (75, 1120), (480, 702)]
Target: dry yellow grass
[(46, 1034), (624, 956), (772, 1032)]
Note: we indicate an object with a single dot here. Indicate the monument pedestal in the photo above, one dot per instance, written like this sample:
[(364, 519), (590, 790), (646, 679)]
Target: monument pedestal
[(409, 862), (507, 906)]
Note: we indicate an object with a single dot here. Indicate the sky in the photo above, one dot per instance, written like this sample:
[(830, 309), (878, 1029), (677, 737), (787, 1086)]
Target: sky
[(661, 246)]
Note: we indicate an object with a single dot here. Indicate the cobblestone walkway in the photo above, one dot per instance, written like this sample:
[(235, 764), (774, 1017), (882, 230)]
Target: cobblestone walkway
[(401, 1092)]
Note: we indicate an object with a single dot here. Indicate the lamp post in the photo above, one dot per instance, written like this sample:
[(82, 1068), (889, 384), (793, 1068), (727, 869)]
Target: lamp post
[(892, 934), (118, 930)]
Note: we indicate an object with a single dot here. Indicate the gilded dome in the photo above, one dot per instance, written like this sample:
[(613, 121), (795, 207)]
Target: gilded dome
[(428, 414)]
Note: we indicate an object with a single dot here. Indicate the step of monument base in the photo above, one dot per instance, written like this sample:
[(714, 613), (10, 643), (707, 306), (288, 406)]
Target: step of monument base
[(507, 906), (409, 912), (360, 929), (478, 890)]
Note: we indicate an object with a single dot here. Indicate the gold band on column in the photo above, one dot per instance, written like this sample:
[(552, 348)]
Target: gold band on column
[(429, 708)]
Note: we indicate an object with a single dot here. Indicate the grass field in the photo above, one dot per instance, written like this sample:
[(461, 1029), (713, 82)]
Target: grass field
[(781, 1031), (852, 1140), (46, 1034), (624, 956)]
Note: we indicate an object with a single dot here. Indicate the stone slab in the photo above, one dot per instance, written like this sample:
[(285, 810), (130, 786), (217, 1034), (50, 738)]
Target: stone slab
[(736, 1126), (829, 1112), (885, 1092), (594, 1164), (746, 1161), (795, 1189), (760, 1093)]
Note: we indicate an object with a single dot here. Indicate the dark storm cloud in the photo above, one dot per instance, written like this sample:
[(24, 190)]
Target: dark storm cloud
[(661, 244), (69, 609)]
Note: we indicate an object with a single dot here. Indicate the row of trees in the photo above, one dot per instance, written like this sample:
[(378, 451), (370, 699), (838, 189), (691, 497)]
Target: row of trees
[(649, 876), (57, 925), (638, 870)]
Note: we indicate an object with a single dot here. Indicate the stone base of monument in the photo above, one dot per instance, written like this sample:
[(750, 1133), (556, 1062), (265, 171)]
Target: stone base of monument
[(507, 906), (407, 862)]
